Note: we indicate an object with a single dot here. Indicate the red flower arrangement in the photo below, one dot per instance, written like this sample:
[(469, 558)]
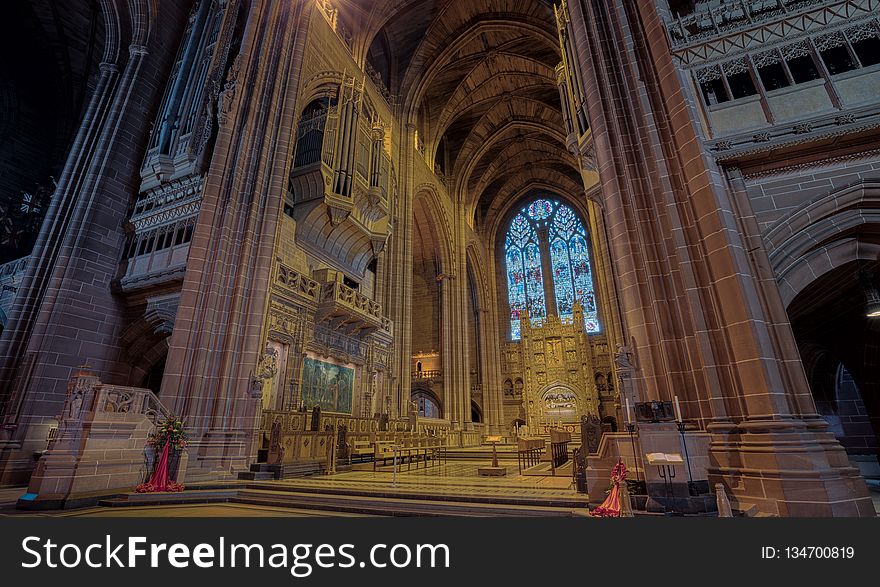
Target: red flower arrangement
[(610, 508), (168, 435), (170, 431)]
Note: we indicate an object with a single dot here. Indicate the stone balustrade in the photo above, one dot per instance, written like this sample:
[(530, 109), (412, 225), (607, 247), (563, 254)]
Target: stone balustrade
[(298, 284), (431, 374), (715, 18), (100, 445), (351, 311)]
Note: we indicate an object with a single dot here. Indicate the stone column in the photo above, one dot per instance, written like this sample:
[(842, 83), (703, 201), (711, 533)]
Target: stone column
[(677, 240), (453, 342), (399, 267), (219, 333), (65, 312), (493, 395)]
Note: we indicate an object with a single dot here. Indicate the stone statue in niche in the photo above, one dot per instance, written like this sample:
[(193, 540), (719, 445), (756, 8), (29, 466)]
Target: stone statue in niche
[(76, 398), (623, 358), (227, 96), (76, 402)]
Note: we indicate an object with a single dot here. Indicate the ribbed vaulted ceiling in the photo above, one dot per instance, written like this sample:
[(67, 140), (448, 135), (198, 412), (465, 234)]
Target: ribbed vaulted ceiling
[(478, 79)]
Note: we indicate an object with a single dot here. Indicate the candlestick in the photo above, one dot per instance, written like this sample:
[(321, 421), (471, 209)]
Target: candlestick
[(628, 415), (677, 410)]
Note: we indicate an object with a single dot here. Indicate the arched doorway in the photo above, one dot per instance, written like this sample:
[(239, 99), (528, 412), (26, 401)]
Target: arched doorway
[(428, 404), (839, 345), (153, 377), (476, 413)]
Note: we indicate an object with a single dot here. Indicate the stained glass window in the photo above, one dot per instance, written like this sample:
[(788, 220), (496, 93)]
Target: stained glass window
[(568, 254), (540, 209), (525, 280), (516, 287), (535, 282), (562, 277)]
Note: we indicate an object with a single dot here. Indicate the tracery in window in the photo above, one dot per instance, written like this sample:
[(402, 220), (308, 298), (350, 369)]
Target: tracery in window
[(563, 247)]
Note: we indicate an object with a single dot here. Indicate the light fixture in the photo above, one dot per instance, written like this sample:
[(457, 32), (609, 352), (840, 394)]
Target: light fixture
[(872, 297)]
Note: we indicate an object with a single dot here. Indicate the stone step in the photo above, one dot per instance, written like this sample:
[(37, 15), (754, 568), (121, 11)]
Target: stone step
[(265, 472), (396, 506), (257, 475), (371, 505), (516, 496)]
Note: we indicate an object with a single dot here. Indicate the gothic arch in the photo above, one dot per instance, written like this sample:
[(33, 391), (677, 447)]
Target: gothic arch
[(497, 225), (427, 201), (324, 84), (112, 33), (825, 235), (421, 390), (143, 13), (477, 262)]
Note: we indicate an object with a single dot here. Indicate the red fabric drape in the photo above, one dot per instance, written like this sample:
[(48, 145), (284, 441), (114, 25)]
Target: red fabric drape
[(610, 508), (160, 481)]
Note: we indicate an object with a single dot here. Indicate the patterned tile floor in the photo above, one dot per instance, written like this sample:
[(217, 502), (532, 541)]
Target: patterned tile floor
[(453, 478)]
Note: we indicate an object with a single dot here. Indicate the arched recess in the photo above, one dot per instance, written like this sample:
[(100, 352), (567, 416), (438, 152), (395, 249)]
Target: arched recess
[(485, 351), (476, 413), (431, 267), (841, 227), (820, 256), (558, 402), (145, 343), (426, 401), (839, 347)]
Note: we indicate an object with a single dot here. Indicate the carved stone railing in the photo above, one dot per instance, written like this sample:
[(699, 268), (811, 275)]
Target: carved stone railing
[(432, 374), (342, 294), (129, 400), (715, 18), (13, 267), (348, 310), (695, 39), (298, 284)]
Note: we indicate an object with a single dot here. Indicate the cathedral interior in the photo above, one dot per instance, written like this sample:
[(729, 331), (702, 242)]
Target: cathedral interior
[(455, 257)]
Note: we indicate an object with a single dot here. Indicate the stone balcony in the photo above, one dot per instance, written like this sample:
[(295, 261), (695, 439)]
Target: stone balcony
[(713, 18), (341, 307), (348, 310), (429, 375)]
